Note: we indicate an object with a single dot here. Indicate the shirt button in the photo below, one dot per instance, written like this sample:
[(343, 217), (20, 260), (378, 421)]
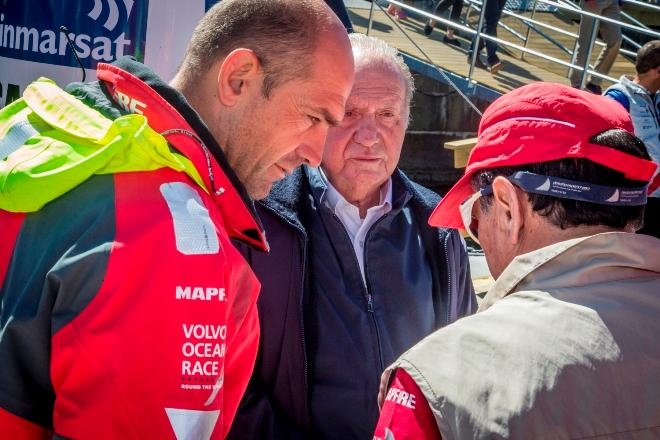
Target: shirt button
[(361, 243)]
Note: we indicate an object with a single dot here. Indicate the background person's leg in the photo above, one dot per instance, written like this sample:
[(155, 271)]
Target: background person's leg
[(438, 9), (611, 34), (456, 9), (494, 10), (583, 38)]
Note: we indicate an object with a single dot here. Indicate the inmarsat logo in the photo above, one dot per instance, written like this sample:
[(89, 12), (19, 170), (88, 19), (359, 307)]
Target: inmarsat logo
[(100, 30), (113, 15)]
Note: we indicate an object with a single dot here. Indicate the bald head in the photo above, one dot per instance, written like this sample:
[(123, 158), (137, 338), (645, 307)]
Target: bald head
[(284, 34)]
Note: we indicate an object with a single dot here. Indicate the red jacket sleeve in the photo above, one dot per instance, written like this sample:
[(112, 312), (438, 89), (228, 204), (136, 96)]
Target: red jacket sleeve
[(405, 415), (243, 328)]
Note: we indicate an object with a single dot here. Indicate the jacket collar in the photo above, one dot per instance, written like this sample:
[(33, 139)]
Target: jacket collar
[(568, 263), (137, 89), (627, 82), (287, 198)]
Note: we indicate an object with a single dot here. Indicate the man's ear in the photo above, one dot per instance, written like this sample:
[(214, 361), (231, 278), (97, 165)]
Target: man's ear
[(239, 74), (510, 208)]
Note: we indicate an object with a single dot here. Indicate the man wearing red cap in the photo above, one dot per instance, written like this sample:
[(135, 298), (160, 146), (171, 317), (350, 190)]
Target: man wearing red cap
[(564, 344)]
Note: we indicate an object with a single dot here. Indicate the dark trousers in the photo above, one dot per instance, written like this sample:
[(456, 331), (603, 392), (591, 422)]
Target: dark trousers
[(492, 16), (456, 8)]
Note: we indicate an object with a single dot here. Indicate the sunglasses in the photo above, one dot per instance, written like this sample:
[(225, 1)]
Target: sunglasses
[(469, 221)]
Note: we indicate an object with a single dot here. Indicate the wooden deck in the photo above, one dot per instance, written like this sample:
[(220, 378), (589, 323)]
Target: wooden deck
[(515, 73)]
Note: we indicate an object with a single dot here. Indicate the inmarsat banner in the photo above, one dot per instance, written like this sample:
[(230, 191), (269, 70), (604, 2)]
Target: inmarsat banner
[(32, 44)]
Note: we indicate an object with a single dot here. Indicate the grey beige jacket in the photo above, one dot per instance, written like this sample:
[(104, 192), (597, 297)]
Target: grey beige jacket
[(564, 346)]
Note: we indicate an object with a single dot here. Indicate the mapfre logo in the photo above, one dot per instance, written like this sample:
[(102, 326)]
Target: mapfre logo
[(100, 30), (201, 293), (129, 104)]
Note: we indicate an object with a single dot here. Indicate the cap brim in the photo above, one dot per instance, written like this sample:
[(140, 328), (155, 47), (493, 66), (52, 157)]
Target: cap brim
[(447, 213)]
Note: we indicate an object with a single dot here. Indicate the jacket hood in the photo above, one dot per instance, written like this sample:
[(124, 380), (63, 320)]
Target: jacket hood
[(52, 143), (134, 87), (628, 83)]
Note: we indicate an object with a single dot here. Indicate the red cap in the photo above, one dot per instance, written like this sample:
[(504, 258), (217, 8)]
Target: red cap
[(541, 122)]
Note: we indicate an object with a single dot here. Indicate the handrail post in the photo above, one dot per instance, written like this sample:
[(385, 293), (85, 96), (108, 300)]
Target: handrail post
[(371, 17), (588, 49), (573, 57), (529, 29), (575, 44), (477, 37), (467, 13)]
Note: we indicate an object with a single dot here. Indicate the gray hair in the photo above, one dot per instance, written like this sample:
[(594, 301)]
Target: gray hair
[(370, 51), (280, 32)]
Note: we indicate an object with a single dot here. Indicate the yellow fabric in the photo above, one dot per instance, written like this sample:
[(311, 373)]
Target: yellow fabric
[(71, 143)]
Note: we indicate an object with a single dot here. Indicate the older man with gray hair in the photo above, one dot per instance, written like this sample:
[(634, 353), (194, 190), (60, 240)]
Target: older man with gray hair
[(356, 276)]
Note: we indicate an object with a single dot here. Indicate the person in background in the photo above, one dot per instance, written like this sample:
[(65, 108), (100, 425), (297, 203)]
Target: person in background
[(355, 276), (397, 12), (440, 7), (611, 33), (125, 311), (564, 345), (492, 15), (639, 96)]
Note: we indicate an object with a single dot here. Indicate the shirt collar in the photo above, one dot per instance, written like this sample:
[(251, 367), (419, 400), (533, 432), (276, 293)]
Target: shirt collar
[(336, 200)]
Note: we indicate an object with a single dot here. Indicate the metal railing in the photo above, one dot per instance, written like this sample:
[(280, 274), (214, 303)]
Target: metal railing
[(432, 63), (585, 68), (531, 23), (569, 5), (594, 31), (628, 17), (644, 5)]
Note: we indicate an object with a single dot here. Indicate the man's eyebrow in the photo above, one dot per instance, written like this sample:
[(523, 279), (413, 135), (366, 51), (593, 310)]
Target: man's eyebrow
[(329, 119)]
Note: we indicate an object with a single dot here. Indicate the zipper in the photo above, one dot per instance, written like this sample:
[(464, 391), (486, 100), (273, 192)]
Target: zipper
[(449, 289), (365, 289), (370, 301), (301, 308), (302, 321)]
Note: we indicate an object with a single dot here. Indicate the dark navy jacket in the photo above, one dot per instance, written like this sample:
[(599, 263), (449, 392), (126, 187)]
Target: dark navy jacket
[(277, 402)]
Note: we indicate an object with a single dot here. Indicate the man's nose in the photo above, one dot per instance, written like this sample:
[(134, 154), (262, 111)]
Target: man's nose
[(310, 151), (366, 133)]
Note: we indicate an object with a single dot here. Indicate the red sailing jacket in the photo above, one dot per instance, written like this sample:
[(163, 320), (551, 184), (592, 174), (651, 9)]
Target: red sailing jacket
[(125, 311), (405, 415)]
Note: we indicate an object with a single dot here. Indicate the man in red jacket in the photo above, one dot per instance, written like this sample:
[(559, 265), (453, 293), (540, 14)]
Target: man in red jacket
[(125, 311)]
